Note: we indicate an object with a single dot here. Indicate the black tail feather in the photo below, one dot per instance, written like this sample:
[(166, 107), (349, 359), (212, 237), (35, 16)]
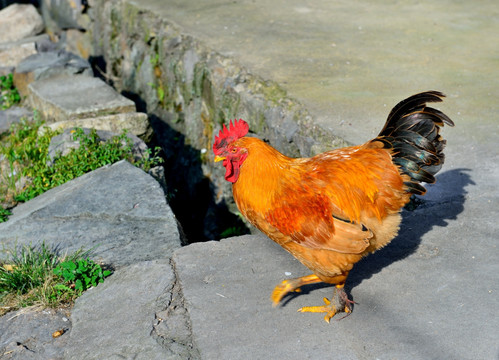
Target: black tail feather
[(412, 130)]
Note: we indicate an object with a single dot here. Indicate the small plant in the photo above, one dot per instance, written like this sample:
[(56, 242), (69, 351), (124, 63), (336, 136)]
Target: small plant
[(233, 231), (80, 275), (239, 228), (9, 95), (24, 156), (150, 159), (38, 276), (21, 148), (4, 214)]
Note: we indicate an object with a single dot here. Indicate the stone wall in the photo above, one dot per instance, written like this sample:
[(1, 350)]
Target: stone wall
[(189, 91)]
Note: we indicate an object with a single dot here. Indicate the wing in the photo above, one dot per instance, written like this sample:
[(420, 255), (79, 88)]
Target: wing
[(312, 221)]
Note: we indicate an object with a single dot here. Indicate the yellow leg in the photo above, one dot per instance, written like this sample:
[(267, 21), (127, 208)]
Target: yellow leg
[(339, 303), (291, 285)]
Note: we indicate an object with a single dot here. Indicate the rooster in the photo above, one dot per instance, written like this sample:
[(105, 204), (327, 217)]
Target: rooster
[(331, 210)]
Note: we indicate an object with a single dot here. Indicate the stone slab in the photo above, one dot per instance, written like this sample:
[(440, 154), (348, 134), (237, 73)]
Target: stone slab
[(115, 319), (26, 334), (10, 57), (48, 64), (349, 63), (136, 123), (119, 210), (13, 115), (75, 97), (416, 299)]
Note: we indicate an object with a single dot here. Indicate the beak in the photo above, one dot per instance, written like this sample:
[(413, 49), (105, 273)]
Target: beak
[(219, 158)]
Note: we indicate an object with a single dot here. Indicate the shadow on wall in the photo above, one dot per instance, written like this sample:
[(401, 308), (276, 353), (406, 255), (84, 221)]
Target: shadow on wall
[(414, 225), (189, 192)]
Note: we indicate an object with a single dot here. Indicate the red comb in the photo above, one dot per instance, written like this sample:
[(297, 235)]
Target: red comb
[(236, 130)]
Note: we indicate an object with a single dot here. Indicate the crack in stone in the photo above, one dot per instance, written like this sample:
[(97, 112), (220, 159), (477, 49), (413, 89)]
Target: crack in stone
[(172, 325)]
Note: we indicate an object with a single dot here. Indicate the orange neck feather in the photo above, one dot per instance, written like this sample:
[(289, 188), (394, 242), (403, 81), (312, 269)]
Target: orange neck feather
[(260, 175)]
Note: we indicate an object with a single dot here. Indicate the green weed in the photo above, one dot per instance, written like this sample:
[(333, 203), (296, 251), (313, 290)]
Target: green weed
[(9, 95), (4, 214), (83, 274), (233, 231), (25, 154)]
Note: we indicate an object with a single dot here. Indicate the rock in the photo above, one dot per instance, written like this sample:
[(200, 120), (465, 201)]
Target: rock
[(226, 286), (118, 209), (116, 319), (19, 21), (12, 53), (76, 97), (40, 41), (62, 144), (136, 123), (48, 64), (27, 334), (78, 42), (158, 172), (47, 45), (6, 70), (64, 14), (13, 115)]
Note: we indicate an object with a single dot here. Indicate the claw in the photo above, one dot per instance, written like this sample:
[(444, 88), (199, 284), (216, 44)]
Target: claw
[(280, 291), (338, 303), (329, 309), (291, 285)]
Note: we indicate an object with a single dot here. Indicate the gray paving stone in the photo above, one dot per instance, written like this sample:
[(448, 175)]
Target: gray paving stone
[(118, 209), (76, 97), (115, 319)]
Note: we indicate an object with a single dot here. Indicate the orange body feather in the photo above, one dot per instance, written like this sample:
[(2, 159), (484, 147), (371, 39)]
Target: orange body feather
[(319, 208)]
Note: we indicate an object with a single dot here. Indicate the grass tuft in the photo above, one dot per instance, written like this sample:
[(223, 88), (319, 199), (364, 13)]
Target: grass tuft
[(27, 172), (38, 276)]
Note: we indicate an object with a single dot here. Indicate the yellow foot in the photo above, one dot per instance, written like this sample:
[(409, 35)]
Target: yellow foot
[(329, 309), (340, 303), (291, 285)]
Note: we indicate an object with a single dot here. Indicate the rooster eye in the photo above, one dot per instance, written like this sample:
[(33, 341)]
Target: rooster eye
[(233, 150)]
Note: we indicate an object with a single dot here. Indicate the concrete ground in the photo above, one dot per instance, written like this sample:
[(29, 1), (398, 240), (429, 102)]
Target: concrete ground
[(433, 293)]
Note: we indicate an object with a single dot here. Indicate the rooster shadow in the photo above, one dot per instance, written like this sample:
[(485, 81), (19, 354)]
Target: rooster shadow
[(418, 218)]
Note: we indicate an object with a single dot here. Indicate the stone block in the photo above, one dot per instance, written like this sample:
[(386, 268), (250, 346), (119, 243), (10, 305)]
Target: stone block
[(13, 115), (48, 64), (133, 294), (76, 97), (64, 14), (62, 144), (136, 123), (19, 21), (118, 210), (13, 52)]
